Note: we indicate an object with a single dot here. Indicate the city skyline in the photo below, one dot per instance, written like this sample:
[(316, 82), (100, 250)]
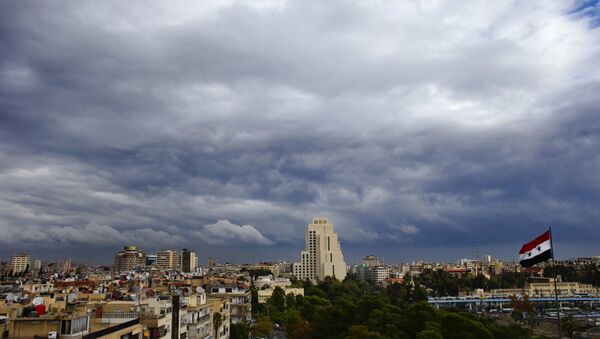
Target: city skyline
[(421, 129)]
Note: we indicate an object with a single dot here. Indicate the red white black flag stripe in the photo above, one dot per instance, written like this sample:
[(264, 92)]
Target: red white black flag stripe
[(537, 250)]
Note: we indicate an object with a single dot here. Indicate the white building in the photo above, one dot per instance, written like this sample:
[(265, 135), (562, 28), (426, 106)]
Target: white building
[(377, 274), (199, 316), (322, 256), (20, 263)]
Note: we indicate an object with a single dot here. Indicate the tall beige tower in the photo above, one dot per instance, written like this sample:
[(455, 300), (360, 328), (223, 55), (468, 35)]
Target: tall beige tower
[(323, 255), (20, 262), (168, 259)]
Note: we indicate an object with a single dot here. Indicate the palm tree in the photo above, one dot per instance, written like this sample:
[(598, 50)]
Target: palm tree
[(217, 322)]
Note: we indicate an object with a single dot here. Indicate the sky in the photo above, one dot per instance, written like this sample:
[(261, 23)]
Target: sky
[(422, 129)]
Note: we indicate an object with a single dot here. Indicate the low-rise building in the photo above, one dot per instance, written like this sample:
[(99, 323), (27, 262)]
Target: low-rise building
[(240, 301), (221, 317), (199, 316), (264, 295)]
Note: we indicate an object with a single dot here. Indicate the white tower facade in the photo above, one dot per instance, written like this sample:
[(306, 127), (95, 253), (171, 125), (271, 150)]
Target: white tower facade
[(322, 256)]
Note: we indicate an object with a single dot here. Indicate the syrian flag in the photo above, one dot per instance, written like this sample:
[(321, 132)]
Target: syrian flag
[(537, 250)]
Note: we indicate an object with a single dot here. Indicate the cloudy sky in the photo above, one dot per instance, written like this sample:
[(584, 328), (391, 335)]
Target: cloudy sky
[(422, 129)]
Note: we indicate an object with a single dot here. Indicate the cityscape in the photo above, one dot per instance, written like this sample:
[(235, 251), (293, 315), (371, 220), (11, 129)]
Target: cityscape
[(292, 169), (170, 293)]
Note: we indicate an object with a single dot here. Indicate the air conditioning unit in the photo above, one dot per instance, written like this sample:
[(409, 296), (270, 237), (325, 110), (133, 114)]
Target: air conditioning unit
[(52, 335)]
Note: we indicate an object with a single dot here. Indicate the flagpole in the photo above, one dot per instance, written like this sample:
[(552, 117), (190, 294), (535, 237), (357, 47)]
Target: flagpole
[(555, 284)]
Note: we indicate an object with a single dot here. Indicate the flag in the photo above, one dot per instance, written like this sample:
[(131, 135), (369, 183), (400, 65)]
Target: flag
[(537, 250)]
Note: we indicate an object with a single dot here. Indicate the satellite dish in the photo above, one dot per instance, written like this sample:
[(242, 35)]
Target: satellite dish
[(37, 301), (117, 295), (199, 289)]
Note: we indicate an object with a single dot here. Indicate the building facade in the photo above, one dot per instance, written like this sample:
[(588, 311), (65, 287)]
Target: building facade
[(129, 258), (239, 301), (20, 263), (322, 256), (189, 261), (168, 259), (370, 260), (377, 274)]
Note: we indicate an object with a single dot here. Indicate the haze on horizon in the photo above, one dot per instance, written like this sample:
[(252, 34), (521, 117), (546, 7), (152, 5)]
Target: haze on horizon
[(422, 129)]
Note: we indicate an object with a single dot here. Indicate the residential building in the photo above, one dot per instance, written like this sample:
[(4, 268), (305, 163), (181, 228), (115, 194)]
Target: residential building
[(221, 318), (20, 263), (322, 256), (199, 316), (370, 260), (129, 259), (266, 285), (189, 261), (168, 259), (158, 317), (151, 259), (239, 301), (377, 274)]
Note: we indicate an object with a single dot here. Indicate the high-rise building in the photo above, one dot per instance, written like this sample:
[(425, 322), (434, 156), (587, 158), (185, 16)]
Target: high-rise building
[(37, 265), (151, 259), (370, 260), (168, 259), (20, 262), (189, 261), (322, 256), (129, 258), (67, 266)]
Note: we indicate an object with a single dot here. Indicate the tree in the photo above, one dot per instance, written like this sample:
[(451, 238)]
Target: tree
[(362, 332), (239, 331), (429, 334), (569, 325), (523, 309), (217, 321), (262, 327), (277, 300), (455, 326), (295, 326), (260, 272)]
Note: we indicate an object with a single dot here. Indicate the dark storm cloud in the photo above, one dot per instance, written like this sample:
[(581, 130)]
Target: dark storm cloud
[(235, 123)]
